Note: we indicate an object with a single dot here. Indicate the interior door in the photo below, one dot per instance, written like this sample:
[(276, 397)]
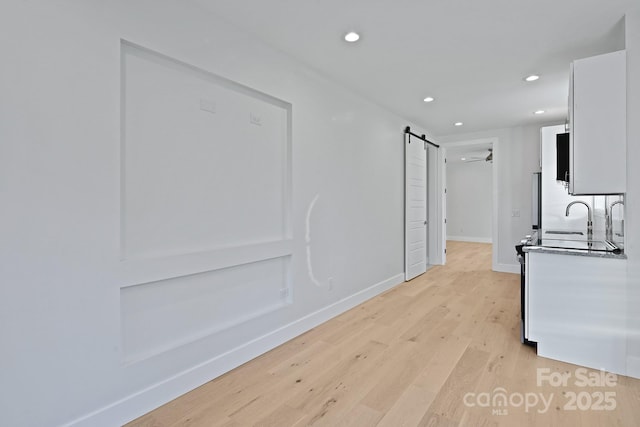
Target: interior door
[(415, 207)]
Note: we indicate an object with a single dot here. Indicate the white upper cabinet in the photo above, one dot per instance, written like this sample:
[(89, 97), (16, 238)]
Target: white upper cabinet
[(597, 117)]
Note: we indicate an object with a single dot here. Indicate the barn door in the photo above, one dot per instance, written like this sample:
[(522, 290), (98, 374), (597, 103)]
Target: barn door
[(415, 207)]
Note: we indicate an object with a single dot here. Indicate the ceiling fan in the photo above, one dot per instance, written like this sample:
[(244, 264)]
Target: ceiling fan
[(486, 158)]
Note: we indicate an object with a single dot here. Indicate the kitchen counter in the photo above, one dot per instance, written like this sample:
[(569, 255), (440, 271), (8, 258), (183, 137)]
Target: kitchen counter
[(572, 243)]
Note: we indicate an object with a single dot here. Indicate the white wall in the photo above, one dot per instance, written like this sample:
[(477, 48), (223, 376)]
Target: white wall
[(518, 150), (632, 198), (60, 223), (469, 201)]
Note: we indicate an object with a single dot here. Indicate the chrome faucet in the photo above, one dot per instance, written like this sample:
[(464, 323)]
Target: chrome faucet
[(589, 218), (610, 219)]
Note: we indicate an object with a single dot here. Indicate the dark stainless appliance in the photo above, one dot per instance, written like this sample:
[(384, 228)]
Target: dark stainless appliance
[(536, 224), (523, 315)]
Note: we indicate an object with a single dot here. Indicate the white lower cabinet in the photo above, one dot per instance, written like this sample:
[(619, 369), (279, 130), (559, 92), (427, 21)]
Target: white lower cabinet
[(576, 309)]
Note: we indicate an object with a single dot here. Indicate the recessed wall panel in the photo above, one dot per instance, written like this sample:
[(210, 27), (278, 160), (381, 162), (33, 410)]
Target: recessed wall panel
[(162, 315), (205, 161)]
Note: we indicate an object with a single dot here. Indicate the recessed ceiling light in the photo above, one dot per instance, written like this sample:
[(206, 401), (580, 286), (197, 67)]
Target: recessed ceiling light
[(463, 158), (532, 78), (539, 112), (428, 99), (352, 37), (457, 124)]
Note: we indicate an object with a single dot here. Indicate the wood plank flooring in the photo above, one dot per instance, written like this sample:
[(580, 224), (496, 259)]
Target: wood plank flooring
[(440, 350)]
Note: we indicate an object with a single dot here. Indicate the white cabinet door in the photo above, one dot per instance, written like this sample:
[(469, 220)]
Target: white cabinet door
[(576, 309), (597, 113)]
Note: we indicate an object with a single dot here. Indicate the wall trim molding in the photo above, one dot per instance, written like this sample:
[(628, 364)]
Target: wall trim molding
[(633, 366), (507, 268), (147, 399), (470, 239)]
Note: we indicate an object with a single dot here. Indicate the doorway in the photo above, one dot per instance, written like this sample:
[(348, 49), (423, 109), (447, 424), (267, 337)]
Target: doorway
[(472, 192)]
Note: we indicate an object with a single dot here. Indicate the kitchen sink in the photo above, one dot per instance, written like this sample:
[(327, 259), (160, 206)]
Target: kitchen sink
[(579, 233), (589, 245)]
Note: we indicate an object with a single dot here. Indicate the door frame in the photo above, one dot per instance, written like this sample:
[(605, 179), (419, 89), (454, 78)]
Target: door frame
[(437, 207)]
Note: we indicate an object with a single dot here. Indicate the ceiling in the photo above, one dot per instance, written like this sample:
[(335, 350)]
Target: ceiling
[(471, 56)]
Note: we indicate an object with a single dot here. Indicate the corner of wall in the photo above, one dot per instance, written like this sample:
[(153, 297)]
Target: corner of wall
[(632, 197)]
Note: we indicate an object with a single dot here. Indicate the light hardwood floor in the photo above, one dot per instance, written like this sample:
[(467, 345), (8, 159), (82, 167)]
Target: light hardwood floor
[(418, 355)]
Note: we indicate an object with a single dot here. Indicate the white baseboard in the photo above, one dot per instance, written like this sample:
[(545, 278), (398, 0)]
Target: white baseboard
[(633, 366), (138, 404), (470, 239), (507, 268)]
